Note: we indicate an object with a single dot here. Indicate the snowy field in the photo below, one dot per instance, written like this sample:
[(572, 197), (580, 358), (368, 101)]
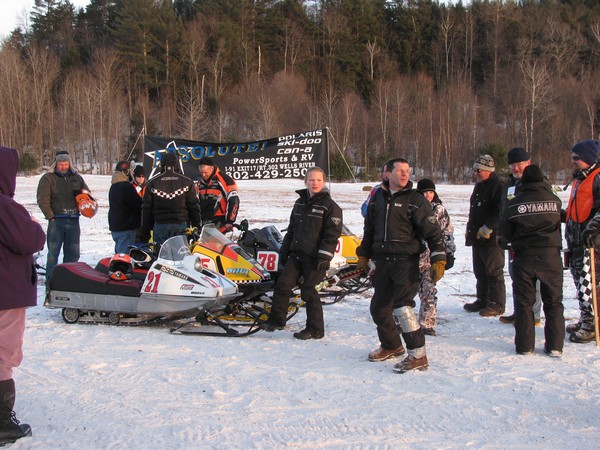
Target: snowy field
[(98, 386)]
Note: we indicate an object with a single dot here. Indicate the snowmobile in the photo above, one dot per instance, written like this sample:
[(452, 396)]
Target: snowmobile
[(220, 254), (341, 279), (175, 286)]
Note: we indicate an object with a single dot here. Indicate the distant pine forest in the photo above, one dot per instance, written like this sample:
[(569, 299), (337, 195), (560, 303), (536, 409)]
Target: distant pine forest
[(437, 83)]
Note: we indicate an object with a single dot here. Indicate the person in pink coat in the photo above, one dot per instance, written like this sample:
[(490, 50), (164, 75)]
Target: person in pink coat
[(20, 237)]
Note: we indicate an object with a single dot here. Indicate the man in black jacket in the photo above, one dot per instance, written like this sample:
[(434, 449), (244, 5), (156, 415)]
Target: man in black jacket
[(482, 226), (518, 160), (125, 208), (170, 203), (307, 248), (531, 224), (398, 219)]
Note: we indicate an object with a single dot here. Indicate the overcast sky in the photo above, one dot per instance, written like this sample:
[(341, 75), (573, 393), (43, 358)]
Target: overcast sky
[(13, 12)]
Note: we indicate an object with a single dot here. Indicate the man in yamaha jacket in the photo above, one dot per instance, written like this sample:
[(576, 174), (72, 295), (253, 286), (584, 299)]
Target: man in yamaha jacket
[(398, 219), (170, 203), (531, 224)]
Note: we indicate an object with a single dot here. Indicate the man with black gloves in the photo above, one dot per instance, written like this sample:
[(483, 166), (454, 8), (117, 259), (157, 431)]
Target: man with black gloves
[(583, 218), (488, 257), (308, 247), (217, 192), (531, 225), (170, 204), (398, 220)]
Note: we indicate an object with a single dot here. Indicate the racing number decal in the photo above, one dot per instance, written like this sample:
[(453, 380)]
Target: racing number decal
[(338, 248), (269, 260), (205, 262), (153, 280)]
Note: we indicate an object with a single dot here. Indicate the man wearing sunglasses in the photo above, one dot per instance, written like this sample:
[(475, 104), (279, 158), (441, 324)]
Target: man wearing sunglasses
[(481, 235), (583, 228)]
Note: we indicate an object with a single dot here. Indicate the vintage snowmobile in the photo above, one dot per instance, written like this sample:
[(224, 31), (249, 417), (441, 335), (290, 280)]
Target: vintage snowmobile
[(342, 278), (219, 254), (174, 285)]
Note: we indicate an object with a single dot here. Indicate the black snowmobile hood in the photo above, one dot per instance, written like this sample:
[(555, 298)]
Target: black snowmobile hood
[(9, 163)]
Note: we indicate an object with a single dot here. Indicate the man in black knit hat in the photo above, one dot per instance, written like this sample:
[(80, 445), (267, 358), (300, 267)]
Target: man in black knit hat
[(481, 234), (518, 161)]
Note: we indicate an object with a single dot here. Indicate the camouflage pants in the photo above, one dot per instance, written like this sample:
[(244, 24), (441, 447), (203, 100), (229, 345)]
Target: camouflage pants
[(427, 296)]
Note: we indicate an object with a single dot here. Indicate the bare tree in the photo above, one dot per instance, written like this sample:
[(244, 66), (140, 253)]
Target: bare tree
[(44, 69)]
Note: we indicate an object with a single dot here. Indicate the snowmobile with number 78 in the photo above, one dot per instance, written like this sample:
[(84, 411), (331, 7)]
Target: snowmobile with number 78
[(341, 279)]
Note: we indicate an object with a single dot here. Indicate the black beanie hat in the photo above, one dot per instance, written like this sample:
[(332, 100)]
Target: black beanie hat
[(532, 174), (122, 166), (139, 171), (587, 151), (517, 155), (425, 185), (206, 161)]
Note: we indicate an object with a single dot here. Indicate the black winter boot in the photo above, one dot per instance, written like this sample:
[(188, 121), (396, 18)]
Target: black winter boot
[(10, 429)]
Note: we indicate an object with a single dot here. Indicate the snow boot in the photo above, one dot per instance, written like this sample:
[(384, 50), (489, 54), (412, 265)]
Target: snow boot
[(582, 336), (10, 429), (573, 327), (411, 363), (381, 354), (475, 306)]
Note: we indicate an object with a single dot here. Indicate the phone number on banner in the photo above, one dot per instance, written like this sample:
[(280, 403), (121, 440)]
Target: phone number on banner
[(236, 174)]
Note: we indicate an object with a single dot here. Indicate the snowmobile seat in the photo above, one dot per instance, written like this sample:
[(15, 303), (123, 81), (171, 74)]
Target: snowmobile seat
[(80, 277)]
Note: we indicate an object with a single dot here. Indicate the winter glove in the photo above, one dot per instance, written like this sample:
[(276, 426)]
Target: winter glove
[(227, 228), (363, 264), (484, 233), (437, 271), (322, 264), (590, 235), (449, 261)]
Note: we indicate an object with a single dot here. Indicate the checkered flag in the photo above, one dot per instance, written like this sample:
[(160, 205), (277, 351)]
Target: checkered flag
[(585, 282)]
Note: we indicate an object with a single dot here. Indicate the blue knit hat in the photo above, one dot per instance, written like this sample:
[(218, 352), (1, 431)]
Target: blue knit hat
[(587, 151)]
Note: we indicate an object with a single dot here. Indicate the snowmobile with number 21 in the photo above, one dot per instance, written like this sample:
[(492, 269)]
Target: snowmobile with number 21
[(176, 286)]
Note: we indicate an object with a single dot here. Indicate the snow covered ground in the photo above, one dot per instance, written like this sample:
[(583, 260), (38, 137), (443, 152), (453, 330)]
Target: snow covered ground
[(97, 386)]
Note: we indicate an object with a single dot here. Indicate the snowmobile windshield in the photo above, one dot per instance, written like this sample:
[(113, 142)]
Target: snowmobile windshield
[(270, 237), (213, 239), (174, 249), (216, 241), (346, 231)]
